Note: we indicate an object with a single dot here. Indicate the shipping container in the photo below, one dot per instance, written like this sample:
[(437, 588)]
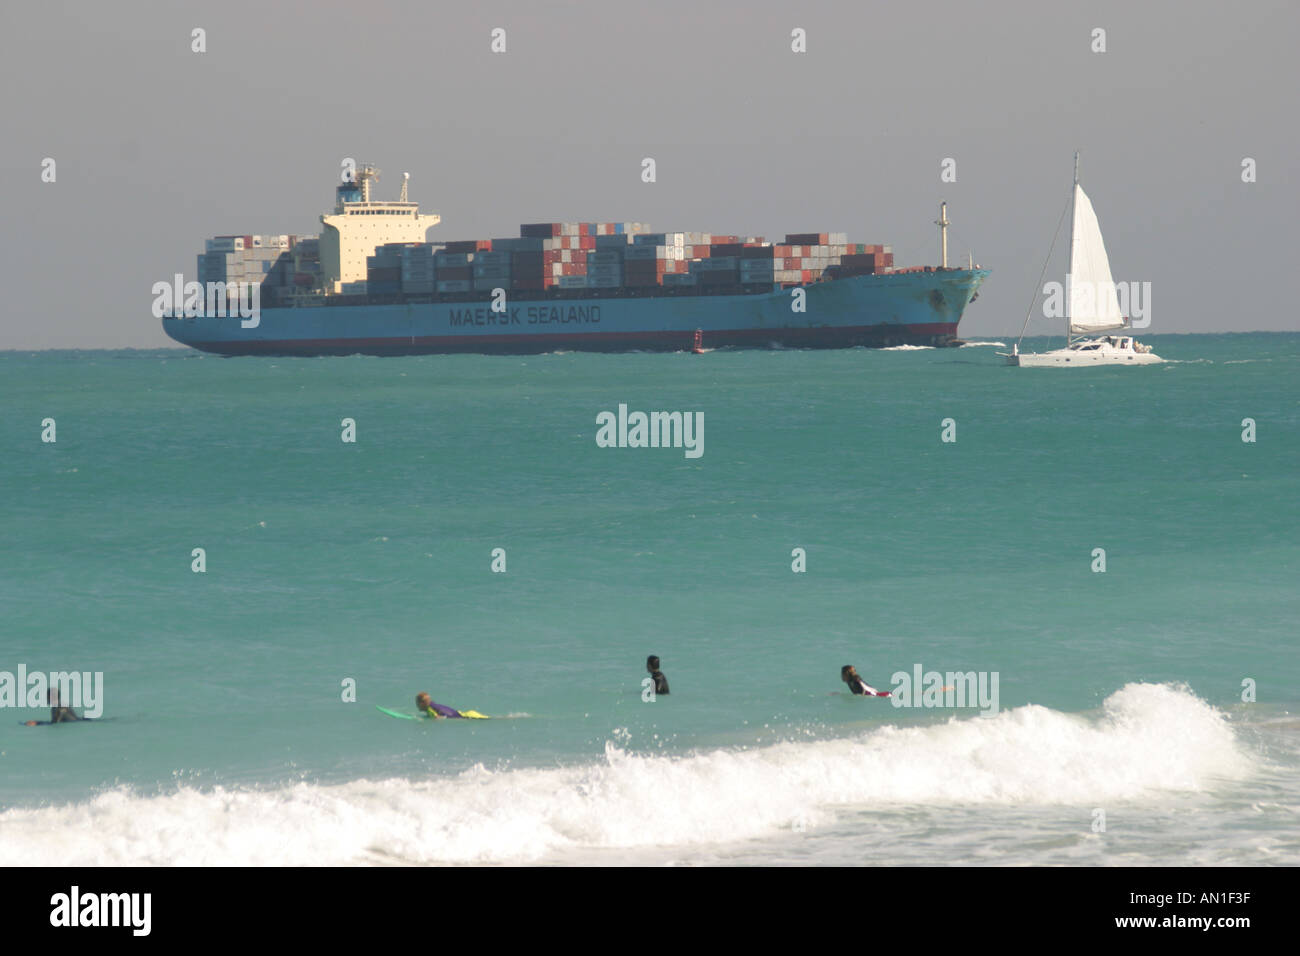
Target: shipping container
[(716, 264), (462, 246), (718, 277), (224, 244)]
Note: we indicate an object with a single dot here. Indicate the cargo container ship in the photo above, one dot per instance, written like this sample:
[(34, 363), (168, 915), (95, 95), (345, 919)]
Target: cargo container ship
[(370, 283)]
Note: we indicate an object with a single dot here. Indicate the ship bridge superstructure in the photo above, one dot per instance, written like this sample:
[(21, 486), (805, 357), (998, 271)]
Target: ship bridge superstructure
[(359, 224)]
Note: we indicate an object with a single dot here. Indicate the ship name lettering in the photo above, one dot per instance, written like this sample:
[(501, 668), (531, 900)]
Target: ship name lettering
[(544, 314)]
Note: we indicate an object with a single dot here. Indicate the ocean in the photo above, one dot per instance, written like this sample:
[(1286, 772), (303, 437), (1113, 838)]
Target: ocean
[(1098, 551)]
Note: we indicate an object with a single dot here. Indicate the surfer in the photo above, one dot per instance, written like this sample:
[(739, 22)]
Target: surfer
[(426, 706), (661, 682), (58, 713), (849, 674)]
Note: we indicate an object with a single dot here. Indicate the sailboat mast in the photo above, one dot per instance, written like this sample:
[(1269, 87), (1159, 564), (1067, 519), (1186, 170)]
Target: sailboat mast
[(1069, 270)]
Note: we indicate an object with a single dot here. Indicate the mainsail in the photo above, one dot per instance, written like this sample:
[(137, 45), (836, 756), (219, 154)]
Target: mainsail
[(1094, 304)]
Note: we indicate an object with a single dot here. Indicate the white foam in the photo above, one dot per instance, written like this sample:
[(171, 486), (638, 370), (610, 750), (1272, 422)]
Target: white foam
[(906, 348), (1145, 740), (975, 345)]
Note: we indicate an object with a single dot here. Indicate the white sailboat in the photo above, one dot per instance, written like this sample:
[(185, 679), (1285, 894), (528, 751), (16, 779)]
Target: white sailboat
[(1092, 303)]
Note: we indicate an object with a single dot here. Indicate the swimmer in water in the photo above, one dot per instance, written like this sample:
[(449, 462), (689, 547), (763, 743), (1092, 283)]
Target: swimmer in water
[(661, 682), (857, 686), (58, 713), (426, 706)]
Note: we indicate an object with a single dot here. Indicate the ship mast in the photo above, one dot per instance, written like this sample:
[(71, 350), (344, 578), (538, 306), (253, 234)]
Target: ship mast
[(1069, 269), (367, 172), (943, 224)]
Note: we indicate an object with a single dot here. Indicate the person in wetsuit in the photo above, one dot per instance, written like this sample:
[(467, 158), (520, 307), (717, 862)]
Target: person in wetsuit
[(425, 705), (857, 686), (661, 682), (59, 714)]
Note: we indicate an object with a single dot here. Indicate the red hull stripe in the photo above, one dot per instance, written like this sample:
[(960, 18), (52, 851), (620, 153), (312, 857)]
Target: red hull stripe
[(822, 336)]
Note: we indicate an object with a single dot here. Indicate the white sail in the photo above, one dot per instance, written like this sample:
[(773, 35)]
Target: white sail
[(1094, 304)]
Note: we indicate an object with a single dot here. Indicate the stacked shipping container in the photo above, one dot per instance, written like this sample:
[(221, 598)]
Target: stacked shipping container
[(264, 260), (597, 255)]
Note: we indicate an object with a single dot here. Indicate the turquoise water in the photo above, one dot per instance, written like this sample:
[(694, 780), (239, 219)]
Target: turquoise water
[(229, 739)]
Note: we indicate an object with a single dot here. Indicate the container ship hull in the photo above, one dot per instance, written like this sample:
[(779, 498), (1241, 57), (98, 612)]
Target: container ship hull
[(894, 308)]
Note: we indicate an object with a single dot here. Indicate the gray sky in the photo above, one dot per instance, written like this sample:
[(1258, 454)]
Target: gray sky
[(158, 148)]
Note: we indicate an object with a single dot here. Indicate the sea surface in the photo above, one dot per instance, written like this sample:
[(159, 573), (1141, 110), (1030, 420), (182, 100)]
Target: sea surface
[(1145, 714)]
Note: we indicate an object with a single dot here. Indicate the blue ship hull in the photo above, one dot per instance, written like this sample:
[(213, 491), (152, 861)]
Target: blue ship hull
[(918, 308)]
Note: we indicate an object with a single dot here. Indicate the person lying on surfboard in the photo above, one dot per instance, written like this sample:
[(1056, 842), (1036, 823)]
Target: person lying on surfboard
[(859, 687), (426, 706), (58, 713)]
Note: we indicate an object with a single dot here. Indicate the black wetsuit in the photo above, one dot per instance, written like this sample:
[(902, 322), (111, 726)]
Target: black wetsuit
[(860, 688), (62, 715), (661, 682)]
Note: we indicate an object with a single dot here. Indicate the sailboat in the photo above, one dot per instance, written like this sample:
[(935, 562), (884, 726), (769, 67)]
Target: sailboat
[(1092, 303)]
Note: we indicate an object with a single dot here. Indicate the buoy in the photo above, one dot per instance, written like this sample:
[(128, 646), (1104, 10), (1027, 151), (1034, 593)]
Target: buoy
[(698, 347)]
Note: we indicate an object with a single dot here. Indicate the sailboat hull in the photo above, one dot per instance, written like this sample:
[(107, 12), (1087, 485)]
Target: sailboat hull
[(1083, 358)]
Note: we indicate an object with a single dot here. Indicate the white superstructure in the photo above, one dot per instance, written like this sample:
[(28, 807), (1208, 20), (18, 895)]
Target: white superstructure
[(359, 224)]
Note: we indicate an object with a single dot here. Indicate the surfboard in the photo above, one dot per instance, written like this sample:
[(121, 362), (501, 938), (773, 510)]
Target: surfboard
[(394, 713), (472, 714)]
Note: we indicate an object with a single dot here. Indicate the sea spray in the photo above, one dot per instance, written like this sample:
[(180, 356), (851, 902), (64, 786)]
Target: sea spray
[(1146, 740)]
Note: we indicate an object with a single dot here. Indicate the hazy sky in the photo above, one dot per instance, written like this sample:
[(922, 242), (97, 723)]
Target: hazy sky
[(158, 147)]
